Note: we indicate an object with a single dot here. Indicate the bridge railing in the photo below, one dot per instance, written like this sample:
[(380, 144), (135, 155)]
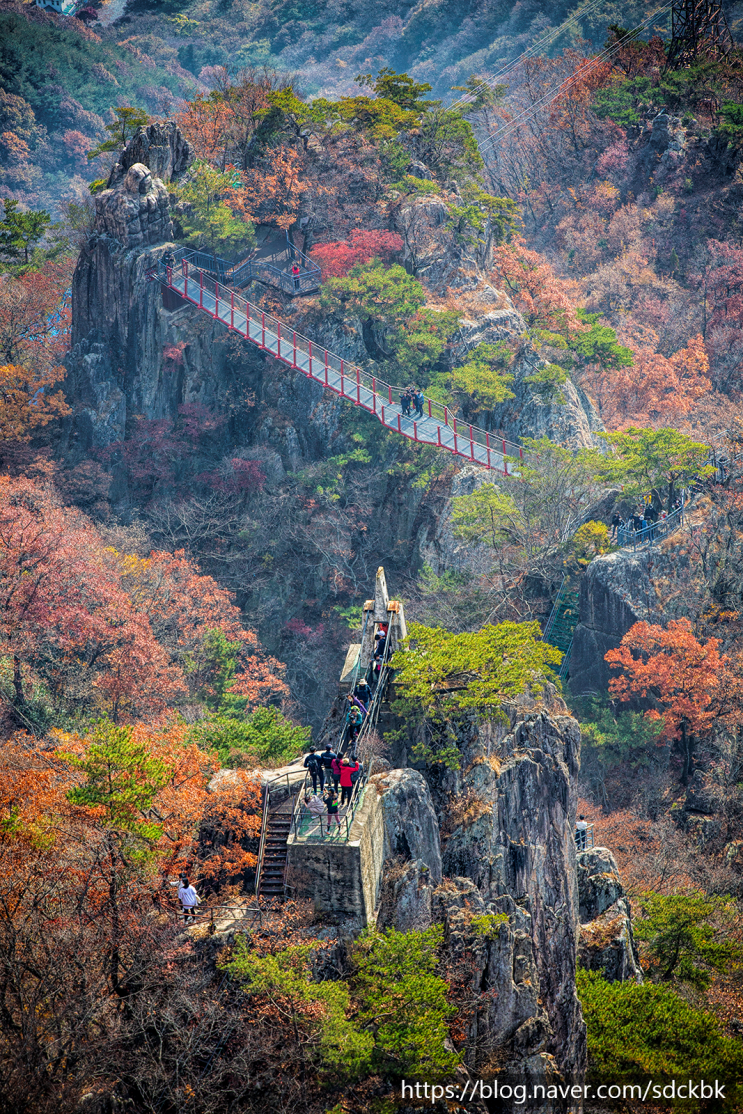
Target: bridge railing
[(372, 393), (237, 274), (628, 538)]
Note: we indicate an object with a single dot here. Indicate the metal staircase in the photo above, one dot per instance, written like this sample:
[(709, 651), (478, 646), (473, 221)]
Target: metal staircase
[(273, 865), (562, 622)]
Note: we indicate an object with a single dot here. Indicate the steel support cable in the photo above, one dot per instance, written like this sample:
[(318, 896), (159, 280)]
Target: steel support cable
[(545, 40), (531, 110)]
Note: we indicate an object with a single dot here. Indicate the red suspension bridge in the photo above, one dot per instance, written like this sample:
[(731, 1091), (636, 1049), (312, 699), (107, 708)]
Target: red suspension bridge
[(438, 426)]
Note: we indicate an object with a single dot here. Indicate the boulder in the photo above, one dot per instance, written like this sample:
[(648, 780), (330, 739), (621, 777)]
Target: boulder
[(411, 828), (606, 942), (599, 884), (515, 844), (160, 146), (405, 896)]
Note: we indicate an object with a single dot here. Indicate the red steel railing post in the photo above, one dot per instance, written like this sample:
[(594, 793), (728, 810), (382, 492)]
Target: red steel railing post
[(294, 339), (389, 392), (399, 425), (383, 414), (456, 448), (310, 355), (438, 430), (232, 312), (169, 275), (429, 409), (263, 326), (343, 390), (358, 386), (415, 431), (446, 415), (278, 338), (185, 279), (374, 394), (216, 301), (201, 289)]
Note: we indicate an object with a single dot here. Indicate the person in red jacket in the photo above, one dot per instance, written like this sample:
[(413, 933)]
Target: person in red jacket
[(347, 771)]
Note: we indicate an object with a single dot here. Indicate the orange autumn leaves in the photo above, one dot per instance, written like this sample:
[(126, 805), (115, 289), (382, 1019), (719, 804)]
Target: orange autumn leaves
[(655, 390), (690, 683), (159, 806), (88, 628)]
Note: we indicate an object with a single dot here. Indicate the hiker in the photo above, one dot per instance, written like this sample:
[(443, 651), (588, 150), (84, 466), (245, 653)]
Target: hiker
[(314, 764), (331, 803), (616, 522), (405, 401), (347, 772), (418, 400), (581, 829), (637, 522), (169, 259), (354, 719), (315, 805), (188, 898), (335, 771), (326, 758), (296, 275), (354, 700), (363, 692), (380, 640)]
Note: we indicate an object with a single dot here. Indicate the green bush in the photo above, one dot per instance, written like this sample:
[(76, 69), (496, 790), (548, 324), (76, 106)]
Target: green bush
[(264, 737), (650, 1032)]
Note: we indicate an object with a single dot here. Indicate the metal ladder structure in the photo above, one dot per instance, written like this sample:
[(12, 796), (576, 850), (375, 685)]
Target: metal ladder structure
[(562, 622)]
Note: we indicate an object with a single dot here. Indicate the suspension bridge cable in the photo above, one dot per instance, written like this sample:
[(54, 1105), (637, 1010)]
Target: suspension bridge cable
[(546, 40), (531, 110)]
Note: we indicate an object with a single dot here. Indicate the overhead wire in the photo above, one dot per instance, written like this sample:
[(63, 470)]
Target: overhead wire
[(531, 110), (537, 47)]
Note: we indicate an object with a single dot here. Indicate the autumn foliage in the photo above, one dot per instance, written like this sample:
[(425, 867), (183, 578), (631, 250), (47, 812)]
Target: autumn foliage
[(680, 675), (82, 626), (337, 259)]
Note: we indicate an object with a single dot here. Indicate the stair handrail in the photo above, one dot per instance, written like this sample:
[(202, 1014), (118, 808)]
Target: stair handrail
[(262, 845), (307, 261)]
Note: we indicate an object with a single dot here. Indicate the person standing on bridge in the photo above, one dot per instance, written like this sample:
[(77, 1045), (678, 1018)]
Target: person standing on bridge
[(347, 772), (363, 692), (354, 719), (326, 758), (581, 833), (314, 764), (335, 770), (331, 803), (354, 701), (297, 276), (418, 400), (405, 400)]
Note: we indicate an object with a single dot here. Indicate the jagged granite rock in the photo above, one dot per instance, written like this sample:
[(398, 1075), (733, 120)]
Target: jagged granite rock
[(411, 828), (159, 146), (135, 213), (406, 897), (515, 840), (606, 942), (489, 948)]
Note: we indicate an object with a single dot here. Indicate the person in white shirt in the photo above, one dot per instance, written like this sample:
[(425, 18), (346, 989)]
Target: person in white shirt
[(581, 827), (188, 898)]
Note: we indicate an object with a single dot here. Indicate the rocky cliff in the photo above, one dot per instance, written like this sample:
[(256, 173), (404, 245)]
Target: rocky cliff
[(619, 589), (509, 898)]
